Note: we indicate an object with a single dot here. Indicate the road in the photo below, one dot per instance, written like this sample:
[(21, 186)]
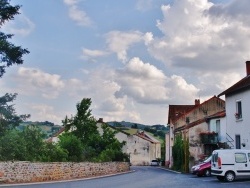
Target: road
[(143, 177)]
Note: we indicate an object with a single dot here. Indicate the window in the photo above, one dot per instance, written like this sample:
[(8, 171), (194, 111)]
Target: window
[(240, 158), (238, 113), (249, 157), (237, 141), (218, 127)]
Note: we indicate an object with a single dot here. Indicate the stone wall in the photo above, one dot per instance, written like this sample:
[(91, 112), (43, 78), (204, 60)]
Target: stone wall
[(20, 172)]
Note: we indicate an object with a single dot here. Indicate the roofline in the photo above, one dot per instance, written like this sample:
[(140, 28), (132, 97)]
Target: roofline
[(197, 106), (238, 89)]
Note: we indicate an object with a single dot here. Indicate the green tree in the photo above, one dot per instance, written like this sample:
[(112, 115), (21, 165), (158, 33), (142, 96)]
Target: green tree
[(110, 148), (95, 146), (83, 123), (54, 153), (180, 152), (70, 143), (8, 117), (9, 53), (12, 146), (26, 145), (83, 126)]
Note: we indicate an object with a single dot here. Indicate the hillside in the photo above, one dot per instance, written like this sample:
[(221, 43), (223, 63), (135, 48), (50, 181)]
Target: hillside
[(47, 127), (158, 131)]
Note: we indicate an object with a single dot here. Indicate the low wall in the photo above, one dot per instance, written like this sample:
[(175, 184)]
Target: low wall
[(20, 172)]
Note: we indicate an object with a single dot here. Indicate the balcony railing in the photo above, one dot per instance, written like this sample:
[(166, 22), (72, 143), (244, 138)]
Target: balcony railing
[(209, 137)]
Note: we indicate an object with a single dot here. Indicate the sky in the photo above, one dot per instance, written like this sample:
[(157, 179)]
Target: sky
[(133, 58)]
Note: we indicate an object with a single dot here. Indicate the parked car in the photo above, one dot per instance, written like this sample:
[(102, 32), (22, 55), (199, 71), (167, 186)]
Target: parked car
[(202, 169), (154, 163), (228, 164)]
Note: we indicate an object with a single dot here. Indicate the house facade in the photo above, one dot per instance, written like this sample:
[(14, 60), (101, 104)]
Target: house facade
[(192, 122), (141, 147), (237, 99)]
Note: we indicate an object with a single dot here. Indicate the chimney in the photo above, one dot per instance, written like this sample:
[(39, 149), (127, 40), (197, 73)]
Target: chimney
[(197, 101), (248, 67), (100, 120)]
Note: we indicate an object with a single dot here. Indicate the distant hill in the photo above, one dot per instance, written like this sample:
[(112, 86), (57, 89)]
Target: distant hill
[(155, 130), (47, 127), (139, 126)]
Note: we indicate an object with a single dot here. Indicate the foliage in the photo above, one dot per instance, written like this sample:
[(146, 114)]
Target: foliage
[(155, 132), (94, 146), (8, 117), (24, 145), (9, 53), (83, 122), (135, 126), (110, 148), (180, 152), (53, 153), (72, 145), (163, 150)]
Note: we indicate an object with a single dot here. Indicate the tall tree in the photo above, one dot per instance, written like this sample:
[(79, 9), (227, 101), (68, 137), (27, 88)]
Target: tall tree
[(83, 126), (9, 53), (8, 117), (83, 123)]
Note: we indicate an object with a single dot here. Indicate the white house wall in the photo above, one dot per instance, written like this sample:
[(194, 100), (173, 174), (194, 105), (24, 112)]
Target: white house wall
[(212, 128), (239, 127), (141, 151)]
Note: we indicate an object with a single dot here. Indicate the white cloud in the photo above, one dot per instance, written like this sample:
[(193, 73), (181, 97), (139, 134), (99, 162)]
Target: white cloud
[(199, 37), (71, 2), (146, 84), (22, 25), (39, 82), (144, 5), (78, 15), (119, 42), (42, 112), (93, 53), (203, 39)]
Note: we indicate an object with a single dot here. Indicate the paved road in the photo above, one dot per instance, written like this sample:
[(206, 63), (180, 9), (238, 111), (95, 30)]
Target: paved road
[(143, 177)]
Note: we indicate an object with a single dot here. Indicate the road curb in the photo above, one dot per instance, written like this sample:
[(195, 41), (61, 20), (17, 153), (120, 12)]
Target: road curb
[(61, 181), (167, 169)]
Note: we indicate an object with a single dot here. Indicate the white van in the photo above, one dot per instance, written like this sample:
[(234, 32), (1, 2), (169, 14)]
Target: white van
[(227, 164)]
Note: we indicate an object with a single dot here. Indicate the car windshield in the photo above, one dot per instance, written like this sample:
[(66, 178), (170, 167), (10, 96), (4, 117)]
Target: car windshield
[(208, 159)]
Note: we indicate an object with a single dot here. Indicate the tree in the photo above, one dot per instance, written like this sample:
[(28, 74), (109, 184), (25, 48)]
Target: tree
[(83, 122), (8, 117), (26, 145), (72, 145), (83, 126), (9, 53), (95, 147)]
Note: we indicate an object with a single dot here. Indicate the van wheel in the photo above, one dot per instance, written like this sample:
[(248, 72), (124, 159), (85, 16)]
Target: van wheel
[(229, 176), (207, 172), (220, 178)]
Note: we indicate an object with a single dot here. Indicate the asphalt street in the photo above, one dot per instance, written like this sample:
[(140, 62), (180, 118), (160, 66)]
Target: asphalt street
[(141, 177)]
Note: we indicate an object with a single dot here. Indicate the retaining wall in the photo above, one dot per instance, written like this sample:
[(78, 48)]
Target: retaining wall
[(20, 172)]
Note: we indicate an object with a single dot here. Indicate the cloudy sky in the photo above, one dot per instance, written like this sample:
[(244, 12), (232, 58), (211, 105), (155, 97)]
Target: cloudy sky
[(132, 58)]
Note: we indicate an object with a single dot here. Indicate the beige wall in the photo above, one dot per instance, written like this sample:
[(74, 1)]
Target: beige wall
[(19, 172), (195, 146)]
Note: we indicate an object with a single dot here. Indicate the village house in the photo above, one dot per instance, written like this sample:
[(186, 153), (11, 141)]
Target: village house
[(237, 99), (194, 123), (141, 147)]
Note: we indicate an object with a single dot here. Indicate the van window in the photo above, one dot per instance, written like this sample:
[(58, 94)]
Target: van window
[(215, 157), (240, 158), (249, 156)]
